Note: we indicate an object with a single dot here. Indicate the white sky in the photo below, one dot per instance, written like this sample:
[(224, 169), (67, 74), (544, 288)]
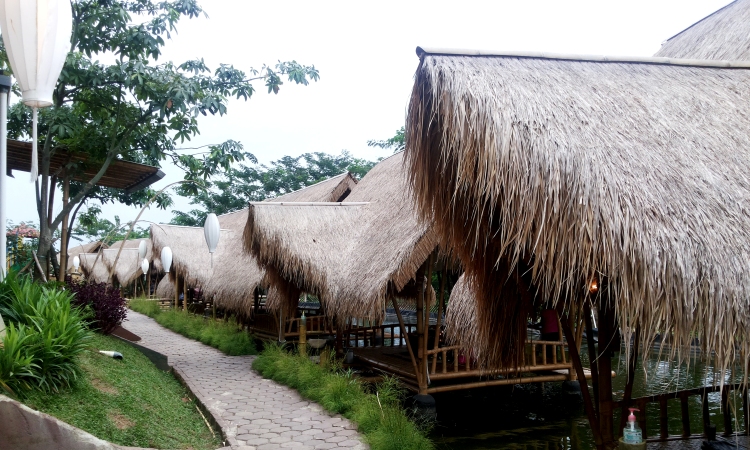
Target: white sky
[(366, 56)]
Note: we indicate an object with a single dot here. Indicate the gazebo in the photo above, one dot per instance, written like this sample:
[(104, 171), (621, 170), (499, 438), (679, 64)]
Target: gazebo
[(617, 184)]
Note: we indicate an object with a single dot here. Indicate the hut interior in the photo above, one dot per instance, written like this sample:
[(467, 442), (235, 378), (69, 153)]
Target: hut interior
[(370, 261), (618, 185)]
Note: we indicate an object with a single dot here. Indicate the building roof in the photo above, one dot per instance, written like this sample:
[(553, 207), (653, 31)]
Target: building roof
[(722, 35), (633, 170), (125, 175)]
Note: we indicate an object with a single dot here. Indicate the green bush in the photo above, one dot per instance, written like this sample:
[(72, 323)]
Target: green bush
[(44, 338), (226, 336), (377, 412)]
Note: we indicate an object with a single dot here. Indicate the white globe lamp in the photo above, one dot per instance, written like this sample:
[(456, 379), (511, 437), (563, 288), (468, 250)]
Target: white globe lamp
[(211, 231)]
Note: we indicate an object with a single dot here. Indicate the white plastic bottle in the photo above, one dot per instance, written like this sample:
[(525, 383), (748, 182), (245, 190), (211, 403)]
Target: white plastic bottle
[(632, 433)]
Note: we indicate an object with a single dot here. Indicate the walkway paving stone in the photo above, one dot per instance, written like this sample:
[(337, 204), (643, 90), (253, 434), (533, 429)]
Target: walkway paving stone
[(254, 413)]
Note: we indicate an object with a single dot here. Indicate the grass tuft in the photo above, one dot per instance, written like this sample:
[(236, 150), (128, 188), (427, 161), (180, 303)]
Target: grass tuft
[(128, 402), (377, 411), (225, 336)]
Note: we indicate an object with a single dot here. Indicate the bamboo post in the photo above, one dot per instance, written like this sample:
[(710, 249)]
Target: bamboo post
[(587, 404), (632, 362), (593, 366), (176, 290), (303, 335), (441, 300), (403, 335), (148, 281), (184, 294), (604, 363)]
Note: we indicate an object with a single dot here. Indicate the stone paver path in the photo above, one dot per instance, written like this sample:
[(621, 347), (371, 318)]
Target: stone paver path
[(255, 413)]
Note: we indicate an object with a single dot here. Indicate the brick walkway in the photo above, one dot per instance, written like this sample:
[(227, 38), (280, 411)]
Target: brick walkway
[(255, 413)]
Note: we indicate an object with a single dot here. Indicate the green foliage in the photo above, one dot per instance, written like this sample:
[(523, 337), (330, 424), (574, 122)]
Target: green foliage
[(45, 336), (135, 108), (377, 413), (397, 142), (239, 185), (225, 336), (91, 227), (128, 402)]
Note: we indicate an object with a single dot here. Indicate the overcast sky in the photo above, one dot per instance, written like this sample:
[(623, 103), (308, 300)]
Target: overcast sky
[(366, 56)]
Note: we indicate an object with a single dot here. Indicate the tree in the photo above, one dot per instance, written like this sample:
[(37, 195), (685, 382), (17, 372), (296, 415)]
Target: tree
[(134, 108), (243, 184), (397, 142), (93, 228)]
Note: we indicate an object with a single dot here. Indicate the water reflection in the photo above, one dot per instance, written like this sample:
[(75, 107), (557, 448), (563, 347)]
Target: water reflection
[(536, 417)]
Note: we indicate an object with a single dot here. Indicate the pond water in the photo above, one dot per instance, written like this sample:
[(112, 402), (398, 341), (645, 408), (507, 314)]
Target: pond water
[(541, 418)]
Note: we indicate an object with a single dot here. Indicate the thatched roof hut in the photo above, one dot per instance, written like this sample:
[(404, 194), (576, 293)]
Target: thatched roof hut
[(354, 255), (93, 267), (91, 247), (154, 260), (235, 274), (634, 171), (723, 35)]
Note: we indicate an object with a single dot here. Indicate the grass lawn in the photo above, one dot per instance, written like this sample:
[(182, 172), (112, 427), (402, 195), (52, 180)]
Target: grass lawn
[(128, 402), (376, 410), (226, 336)]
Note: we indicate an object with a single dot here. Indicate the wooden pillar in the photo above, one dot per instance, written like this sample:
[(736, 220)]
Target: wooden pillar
[(184, 294), (587, 403), (441, 308), (148, 282), (422, 277), (403, 335), (176, 290), (64, 233), (282, 321), (604, 363), (256, 303)]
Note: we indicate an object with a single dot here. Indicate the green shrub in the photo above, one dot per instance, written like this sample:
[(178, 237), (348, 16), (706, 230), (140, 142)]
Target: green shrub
[(226, 336), (377, 413), (44, 338)]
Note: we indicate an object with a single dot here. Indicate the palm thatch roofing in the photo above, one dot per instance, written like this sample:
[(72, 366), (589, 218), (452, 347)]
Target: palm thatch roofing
[(91, 247), (723, 35), (634, 171), (165, 288), (93, 267), (353, 255), (235, 274), (154, 260), (128, 266)]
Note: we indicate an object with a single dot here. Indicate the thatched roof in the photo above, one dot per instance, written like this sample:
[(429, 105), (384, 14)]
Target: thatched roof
[(165, 288), (235, 274), (93, 267), (353, 255), (154, 260), (635, 171), (91, 247), (128, 266), (723, 35)]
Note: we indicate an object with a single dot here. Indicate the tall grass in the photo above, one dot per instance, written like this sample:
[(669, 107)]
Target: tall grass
[(377, 411), (225, 336), (44, 337)]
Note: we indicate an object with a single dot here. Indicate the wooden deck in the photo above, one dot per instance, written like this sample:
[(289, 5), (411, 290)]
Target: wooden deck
[(738, 442), (454, 374)]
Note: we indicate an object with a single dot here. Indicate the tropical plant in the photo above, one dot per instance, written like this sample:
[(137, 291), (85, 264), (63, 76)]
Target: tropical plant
[(104, 302)]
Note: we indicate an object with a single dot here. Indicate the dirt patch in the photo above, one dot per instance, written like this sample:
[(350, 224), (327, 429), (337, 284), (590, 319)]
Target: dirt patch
[(120, 421), (103, 387)]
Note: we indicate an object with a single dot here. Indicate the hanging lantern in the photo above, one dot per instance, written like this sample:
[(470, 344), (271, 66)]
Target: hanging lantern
[(211, 232), (166, 258), (76, 264), (144, 267), (142, 250), (37, 35)]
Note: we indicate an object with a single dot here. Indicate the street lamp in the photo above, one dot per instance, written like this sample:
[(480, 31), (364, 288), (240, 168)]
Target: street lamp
[(211, 231), (37, 35)]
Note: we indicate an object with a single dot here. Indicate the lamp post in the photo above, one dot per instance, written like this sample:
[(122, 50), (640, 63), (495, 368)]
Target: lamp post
[(211, 232), (5, 84)]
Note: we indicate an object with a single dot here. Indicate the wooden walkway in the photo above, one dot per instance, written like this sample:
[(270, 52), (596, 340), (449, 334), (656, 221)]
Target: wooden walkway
[(738, 442)]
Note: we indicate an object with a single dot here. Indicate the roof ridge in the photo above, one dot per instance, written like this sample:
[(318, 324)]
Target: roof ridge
[(717, 64)]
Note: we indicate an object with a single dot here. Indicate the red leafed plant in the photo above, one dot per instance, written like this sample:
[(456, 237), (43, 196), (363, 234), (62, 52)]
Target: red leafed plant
[(104, 301)]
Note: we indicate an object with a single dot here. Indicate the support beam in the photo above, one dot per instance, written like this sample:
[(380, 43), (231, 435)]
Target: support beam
[(403, 335), (587, 404), (604, 365), (184, 294), (441, 307)]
